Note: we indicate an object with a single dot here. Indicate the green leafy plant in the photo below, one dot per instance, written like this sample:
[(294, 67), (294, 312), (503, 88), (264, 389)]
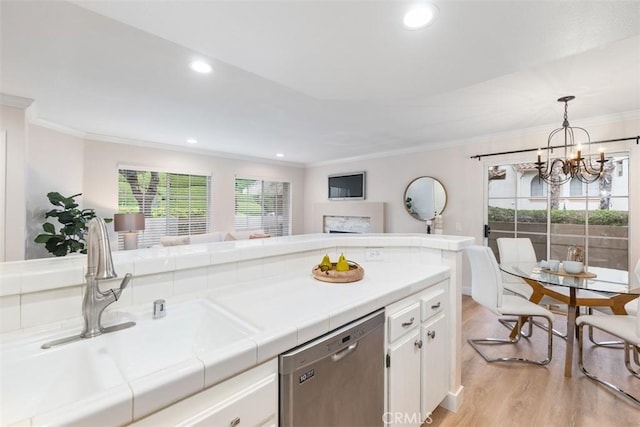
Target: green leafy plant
[(74, 221)]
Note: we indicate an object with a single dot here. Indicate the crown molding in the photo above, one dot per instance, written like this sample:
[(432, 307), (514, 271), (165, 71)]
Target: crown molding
[(57, 127), (15, 101)]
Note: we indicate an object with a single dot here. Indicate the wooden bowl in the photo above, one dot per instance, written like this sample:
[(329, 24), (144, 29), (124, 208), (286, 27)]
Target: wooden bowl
[(355, 273)]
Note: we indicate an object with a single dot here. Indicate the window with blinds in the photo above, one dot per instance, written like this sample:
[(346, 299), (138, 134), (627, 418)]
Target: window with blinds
[(173, 204), (263, 205)]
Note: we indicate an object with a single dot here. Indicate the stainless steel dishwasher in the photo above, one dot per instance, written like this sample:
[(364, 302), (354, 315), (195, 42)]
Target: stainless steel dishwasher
[(337, 379)]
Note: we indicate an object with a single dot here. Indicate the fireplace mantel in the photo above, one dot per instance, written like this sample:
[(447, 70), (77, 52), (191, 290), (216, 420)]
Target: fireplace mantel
[(372, 210)]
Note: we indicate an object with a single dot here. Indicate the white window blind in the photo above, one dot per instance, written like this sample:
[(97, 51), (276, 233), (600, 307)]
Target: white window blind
[(173, 204), (263, 205)]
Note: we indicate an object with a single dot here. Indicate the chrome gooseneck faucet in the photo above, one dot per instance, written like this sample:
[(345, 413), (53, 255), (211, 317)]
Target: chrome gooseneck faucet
[(99, 267)]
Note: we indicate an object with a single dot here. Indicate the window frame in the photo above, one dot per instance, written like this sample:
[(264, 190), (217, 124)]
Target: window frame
[(549, 243), (278, 223), (167, 224)]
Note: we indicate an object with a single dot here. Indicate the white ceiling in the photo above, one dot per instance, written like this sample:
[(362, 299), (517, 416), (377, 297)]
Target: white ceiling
[(318, 80)]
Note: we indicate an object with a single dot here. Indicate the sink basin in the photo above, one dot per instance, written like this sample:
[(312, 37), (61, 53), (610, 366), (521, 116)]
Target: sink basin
[(35, 380), (188, 329)]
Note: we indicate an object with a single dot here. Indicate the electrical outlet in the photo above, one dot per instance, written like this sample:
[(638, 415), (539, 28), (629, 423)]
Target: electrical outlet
[(374, 254)]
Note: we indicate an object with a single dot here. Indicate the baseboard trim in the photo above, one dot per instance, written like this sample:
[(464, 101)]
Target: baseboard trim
[(453, 401)]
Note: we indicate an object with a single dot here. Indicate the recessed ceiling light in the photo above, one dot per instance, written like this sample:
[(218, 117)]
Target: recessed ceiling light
[(420, 16), (192, 141), (201, 67), (279, 155)]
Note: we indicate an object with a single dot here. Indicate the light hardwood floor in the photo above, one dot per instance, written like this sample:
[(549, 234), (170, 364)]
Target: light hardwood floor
[(517, 394)]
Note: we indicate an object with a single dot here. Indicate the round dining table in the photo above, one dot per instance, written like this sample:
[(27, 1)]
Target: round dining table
[(594, 287)]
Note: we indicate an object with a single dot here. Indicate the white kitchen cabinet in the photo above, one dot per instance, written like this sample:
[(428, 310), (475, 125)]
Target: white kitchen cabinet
[(417, 352), (249, 399), (403, 376)]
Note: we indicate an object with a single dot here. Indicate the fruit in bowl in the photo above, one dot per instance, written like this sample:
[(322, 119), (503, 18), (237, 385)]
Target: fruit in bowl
[(573, 267)]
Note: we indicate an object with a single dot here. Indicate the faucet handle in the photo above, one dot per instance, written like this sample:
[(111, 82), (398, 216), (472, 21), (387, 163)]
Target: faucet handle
[(123, 284), (125, 281)]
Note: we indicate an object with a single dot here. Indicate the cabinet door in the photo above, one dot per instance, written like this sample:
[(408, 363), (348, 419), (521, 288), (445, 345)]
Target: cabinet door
[(403, 381), (435, 364)]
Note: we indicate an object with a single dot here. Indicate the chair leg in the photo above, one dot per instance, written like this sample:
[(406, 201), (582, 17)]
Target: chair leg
[(607, 344), (593, 377), (628, 350), (475, 343)]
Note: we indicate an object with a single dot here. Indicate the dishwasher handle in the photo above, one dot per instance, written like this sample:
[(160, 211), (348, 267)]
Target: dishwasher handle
[(339, 355)]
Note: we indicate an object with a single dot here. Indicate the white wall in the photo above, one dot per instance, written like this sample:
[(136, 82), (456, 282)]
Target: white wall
[(100, 181), (387, 177), (3, 190), (55, 163), (40, 160), (465, 179)]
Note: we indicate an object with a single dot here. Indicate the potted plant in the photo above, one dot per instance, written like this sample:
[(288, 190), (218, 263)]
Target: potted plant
[(70, 237)]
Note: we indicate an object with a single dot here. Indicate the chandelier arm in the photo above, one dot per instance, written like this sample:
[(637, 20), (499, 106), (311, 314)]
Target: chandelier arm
[(551, 135)]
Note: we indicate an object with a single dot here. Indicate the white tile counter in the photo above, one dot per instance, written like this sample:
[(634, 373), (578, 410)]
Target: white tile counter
[(264, 287)]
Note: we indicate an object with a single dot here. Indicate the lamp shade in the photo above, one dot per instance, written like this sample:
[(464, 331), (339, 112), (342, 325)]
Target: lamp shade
[(128, 222)]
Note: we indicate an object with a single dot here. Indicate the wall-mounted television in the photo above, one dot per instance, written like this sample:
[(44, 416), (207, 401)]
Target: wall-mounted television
[(347, 186)]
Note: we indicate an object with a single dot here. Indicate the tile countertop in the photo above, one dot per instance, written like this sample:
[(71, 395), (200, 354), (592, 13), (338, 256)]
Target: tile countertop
[(128, 382), (21, 277)]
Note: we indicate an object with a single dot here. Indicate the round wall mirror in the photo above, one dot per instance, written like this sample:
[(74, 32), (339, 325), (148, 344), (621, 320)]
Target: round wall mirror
[(424, 198)]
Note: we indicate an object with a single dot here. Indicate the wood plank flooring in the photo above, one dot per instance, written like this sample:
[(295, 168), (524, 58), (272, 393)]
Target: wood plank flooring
[(517, 394)]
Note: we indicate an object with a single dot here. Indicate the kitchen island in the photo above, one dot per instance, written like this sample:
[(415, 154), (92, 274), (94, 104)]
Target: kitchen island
[(231, 307)]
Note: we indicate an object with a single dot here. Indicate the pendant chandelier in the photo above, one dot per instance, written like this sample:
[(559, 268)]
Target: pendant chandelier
[(561, 170)]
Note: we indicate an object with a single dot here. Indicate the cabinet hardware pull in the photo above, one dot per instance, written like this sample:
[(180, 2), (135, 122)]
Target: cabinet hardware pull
[(234, 422), (418, 343), (431, 334), (433, 307), (409, 323)]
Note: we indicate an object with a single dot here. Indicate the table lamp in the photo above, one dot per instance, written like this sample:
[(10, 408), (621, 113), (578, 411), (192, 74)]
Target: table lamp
[(130, 224)]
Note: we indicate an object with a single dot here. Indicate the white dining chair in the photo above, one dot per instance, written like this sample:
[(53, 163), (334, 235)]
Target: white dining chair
[(626, 328), (487, 290), (512, 250), (520, 249), (631, 308)]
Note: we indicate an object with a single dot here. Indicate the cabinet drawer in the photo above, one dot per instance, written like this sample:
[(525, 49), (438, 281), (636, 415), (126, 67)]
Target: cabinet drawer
[(432, 303), (248, 399), (403, 321), (251, 407)]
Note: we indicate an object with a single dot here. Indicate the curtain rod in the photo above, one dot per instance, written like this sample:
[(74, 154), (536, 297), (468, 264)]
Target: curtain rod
[(526, 150)]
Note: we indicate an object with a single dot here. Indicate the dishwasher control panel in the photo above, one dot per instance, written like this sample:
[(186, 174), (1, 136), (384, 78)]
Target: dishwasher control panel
[(346, 339)]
